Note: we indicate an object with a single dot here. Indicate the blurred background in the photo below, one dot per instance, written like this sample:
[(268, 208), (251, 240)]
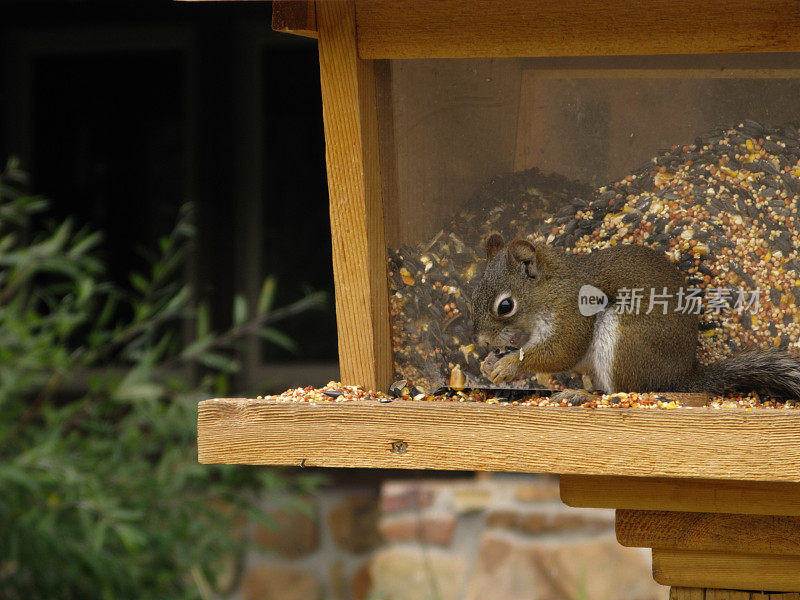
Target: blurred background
[(122, 111), (164, 238)]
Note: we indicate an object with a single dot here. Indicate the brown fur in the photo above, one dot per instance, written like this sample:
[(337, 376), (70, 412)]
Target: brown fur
[(653, 352)]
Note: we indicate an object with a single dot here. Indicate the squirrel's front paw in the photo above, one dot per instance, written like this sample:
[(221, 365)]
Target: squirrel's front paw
[(488, 364), (506, 368)]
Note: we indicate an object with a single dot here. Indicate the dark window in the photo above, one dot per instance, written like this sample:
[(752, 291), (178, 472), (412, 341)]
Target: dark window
[(107, 148), (296, 224)]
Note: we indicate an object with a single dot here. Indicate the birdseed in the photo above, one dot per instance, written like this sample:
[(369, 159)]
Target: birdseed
[(336, 392), (723, 209)]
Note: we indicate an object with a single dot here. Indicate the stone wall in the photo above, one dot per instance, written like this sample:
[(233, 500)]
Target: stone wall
[(495, 537)]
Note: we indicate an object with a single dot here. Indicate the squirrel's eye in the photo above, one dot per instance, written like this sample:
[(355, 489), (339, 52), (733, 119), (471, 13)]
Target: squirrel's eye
[(505, 307)]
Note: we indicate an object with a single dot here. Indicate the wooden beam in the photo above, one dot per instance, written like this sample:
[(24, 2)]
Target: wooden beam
[(715, 594), (354, 184), (725, 444), (713, 532), (683, 593), (689, 568), (295, 16), (487, 28), (701, 495)]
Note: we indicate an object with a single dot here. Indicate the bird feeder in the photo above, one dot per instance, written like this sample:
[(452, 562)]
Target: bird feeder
[(665, 123)]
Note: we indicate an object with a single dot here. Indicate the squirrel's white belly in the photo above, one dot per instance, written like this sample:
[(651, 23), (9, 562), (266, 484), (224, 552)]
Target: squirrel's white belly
[(599, 358)]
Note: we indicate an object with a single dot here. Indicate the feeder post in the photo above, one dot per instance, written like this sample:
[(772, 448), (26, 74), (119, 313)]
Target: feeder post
[(349, 110)]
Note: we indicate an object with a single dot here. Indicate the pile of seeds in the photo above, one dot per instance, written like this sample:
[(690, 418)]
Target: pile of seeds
[(724, 209), (335, 392)]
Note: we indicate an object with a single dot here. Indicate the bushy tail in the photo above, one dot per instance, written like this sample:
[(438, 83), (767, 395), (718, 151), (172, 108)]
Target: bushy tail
[(775, 372)]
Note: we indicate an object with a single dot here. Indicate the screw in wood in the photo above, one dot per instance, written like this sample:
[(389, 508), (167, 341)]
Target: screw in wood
[(399, 447)]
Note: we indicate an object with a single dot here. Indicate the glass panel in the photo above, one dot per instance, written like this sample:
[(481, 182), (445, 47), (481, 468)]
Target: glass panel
[(696, 157)]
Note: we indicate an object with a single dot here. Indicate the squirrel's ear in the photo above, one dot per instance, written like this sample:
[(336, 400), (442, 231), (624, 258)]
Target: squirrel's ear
[(494, 243), (525, 257)]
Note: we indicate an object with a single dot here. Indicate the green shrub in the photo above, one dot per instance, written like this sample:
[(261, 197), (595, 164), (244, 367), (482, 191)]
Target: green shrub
[(101, 495)]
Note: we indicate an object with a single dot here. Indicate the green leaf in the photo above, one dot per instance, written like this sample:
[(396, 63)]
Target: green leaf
[(57, 241), (7, 242), (108, 310), (278, 338), (222, 385), (219, 362), (99, 535), (239, 310), (267, 295), (10, 474), (86, 289), (203, 325), (132, 538), (139, 283), (133, 392), (88, 243), (138, 385), (197, 347), (179, 300)]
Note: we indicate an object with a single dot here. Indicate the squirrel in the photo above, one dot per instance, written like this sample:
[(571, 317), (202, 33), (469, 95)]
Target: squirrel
[(528, 299)]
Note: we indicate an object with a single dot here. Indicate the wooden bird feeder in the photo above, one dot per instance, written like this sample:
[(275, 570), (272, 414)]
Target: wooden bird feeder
[(423, 101)]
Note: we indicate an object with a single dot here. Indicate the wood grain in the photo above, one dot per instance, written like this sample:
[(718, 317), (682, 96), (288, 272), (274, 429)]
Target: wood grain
[(681, 593), (354, 184), (702, 495), (714, 532), (720, 444), (726, 571), (716, 594), (295, 16), (684, 593), (487, 28)]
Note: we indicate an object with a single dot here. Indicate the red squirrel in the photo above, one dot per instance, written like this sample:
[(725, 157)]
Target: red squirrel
[(528, 299)]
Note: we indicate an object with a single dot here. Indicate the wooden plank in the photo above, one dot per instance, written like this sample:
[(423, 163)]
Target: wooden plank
[(487, 28), (721, 444), (682, 593), (295, 16), (354, 184), (714, 532), (701, 495), (715, 594), (726, 571)]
